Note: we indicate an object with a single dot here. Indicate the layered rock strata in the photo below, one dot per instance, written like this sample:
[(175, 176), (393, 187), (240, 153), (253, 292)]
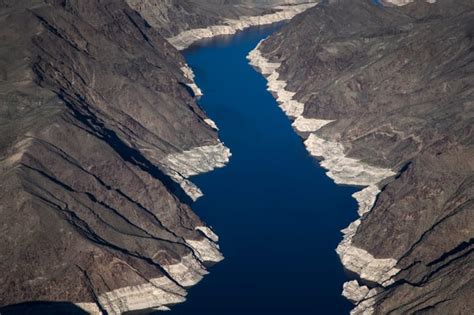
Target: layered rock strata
[(101, 133), (98, 120), (385, 100), (180, 166), (232, 26), (342, 169), (172, 17)]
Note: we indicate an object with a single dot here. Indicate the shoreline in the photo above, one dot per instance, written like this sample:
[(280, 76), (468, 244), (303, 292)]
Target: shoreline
[(181, 166), (160, 293), (169, 289), (231, 26), (342, 170)]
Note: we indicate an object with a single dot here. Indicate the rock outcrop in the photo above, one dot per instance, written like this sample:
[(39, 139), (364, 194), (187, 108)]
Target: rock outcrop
[(186, 22), (384, 96), (99, 131)]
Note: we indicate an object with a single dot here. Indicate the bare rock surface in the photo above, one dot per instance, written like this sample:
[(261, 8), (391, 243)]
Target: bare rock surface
[(186, 22), (100, 133), (390, 88), (94, 103), (172, 17)]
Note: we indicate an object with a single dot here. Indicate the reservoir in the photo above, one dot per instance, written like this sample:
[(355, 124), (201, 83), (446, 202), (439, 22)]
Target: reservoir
[(277, 214)]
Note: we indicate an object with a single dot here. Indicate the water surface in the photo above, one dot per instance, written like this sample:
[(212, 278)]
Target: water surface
[(277, 214)]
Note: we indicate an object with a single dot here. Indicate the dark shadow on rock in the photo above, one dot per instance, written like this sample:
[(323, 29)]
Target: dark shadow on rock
[(127, 153)]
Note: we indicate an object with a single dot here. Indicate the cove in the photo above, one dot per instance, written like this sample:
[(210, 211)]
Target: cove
[(277, 214)]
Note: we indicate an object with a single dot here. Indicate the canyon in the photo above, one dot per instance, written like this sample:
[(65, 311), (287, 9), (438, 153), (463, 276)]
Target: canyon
[(102, 135), (385, 100)]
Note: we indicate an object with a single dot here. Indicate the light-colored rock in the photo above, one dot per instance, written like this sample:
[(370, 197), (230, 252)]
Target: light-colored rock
[(354, 292), (206, 250), (349, 171), (343, 170), (208, 233), (366, 306), (189, 74), (362, 262), (188, 272), (182, 165), (154, 294), (90, 308), (403, 2), (231, 26), (277, 87), (303, 124), (198, 160), (189, 187), (362, 296), (366, 198), (211, 123)]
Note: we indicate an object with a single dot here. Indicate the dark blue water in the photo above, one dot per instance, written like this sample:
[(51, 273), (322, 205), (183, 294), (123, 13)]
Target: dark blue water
[(277, 214)]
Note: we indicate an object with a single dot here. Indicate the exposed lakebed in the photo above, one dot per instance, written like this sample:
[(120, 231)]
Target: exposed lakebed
[(277, 214)]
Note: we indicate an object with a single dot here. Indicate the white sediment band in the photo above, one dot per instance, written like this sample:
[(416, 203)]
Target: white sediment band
[(208, 233), (188, 272), (309, 124), (354, 292), (291, 107), (343, 170), (362, 296), (157, 293), (206, 250), (231, 26), (403, 2), (89, 308), (358, 260), (198, 160), (189, 74), (180, 166), (211, 123), (154, 294)]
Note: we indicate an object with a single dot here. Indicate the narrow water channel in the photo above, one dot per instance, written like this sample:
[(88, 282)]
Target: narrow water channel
[(277, 214)]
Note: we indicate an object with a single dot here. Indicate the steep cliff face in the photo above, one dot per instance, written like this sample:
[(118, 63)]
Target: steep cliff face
[(172, 17), (100, 132), (97, 120), (185, 22), (384, 95)]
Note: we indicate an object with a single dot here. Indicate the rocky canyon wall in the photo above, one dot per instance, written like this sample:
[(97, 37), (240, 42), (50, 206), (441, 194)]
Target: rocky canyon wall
[(384, 97)]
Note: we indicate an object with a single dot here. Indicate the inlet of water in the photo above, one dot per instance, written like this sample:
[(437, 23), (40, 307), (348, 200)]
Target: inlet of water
[(277, 214)]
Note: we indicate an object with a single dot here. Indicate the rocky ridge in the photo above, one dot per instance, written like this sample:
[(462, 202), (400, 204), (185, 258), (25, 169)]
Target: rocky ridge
[(96, 111), (232, 26), (385, 100), (215, 18), (100, 134)]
